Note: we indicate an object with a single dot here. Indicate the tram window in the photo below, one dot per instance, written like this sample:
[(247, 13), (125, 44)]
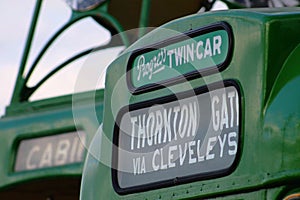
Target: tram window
[(53, 15), (85, 74), (83, 35)]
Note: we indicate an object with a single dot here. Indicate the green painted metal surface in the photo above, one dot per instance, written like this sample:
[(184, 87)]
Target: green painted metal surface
[(46, 118), (265, 66)]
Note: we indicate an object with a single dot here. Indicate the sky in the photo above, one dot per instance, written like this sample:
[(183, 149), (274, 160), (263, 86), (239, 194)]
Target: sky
[(15, 18)]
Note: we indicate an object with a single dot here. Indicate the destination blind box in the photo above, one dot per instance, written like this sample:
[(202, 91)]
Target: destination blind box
[(175, 139), (50, 151), (190, 55)]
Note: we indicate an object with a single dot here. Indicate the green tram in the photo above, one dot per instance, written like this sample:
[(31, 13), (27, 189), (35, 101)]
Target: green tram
[(44, 142), (205, 106)]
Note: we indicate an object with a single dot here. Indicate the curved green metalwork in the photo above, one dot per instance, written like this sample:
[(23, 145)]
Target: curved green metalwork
[(22, 92)]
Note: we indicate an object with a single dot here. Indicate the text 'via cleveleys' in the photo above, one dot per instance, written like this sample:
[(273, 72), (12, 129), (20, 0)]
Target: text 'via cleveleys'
[(196, 133)]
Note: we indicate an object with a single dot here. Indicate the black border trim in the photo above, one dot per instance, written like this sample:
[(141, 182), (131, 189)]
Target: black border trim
[(41, 134), (190, 75), (186, 179)]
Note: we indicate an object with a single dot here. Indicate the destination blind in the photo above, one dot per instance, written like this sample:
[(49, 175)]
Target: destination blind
[(190, 137), (192, 53), (50, 151)]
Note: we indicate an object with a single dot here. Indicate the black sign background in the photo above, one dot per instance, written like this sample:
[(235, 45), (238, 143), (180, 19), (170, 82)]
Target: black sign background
[(125, 180)]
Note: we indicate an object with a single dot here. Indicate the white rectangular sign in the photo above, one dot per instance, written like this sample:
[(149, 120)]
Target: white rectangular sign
[(186, 136), (50, 151)]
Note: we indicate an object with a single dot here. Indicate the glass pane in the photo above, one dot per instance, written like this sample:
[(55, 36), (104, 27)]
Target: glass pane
[(85, 74)]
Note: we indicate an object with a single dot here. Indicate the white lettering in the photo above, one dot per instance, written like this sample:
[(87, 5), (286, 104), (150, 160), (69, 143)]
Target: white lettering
[(190, 53), (193, 119), (147, 66), (182, 153), (215, 113), (191, 152), (199, 50), (232, 143), (176, 122), (29, 163), (230, 96), (139, 166), (222, 144), (210, 146), (167, 125), (171, 156), (73, 149), (224, 113), (179, 52), (61, 154), (143, 166), (140, 66), (133, 121), (200, 158), (154, 166), (46, 157), (217, 44), (207, 50), (170, 53), (141, 131), (183, 121), (150, 129), (159, 126), (176, 111)]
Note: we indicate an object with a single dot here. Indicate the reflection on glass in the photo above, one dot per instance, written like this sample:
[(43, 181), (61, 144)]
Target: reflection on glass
[(83, 5), (85, 74)]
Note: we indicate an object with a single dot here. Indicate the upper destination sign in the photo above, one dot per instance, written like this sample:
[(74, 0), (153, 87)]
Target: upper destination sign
[(193, 54), (188, 136)]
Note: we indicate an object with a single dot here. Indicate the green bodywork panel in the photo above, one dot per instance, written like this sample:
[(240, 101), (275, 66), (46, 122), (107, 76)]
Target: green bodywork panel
[(265, 65), (50, 117)]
